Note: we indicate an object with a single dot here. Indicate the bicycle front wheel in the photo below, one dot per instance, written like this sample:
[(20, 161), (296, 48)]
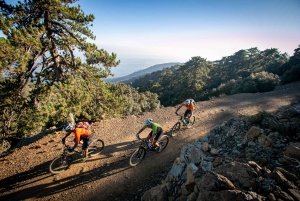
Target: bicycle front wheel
[(163, 142), (137, 156), (175, 129), (192, 120), (96, 147), (60, 164)]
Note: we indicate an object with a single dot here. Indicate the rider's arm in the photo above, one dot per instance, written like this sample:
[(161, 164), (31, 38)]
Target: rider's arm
[(178, 109), (141, 130), (64, 138), (137, 135)]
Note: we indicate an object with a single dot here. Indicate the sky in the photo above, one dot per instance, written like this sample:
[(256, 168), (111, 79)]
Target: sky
[(144, 33)]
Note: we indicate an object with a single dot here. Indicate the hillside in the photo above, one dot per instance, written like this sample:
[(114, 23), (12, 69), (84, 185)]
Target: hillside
[(25, 175), (136, 74)]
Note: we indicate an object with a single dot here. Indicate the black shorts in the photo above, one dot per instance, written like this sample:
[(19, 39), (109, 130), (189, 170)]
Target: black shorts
[(159, 132), (87, 141), (187, 112)]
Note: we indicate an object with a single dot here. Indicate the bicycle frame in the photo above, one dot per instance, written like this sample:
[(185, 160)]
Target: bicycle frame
[(182, 120), (144, 144)]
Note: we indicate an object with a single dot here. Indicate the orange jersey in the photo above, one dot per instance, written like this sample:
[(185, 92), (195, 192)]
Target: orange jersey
[(81, 132), (188, 107)]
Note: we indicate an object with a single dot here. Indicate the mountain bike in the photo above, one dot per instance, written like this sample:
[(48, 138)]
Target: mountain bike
[(175, 129), (139, 153), (63, 162)]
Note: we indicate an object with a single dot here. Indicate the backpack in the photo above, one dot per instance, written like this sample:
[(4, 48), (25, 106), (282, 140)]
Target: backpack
[(83, 124)]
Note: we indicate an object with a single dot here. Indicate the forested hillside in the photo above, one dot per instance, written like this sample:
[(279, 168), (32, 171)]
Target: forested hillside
[(42, 77), (129, 78), (246, 71)]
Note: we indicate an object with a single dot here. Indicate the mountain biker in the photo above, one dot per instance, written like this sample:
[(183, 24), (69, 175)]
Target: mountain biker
[(81, 133), (190, 106), (153, 135)]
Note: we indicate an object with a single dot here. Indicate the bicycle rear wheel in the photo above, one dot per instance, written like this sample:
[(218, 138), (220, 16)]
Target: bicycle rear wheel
[(60, 164), (175, 129), (96, 147), (137, 156), (163, 142)]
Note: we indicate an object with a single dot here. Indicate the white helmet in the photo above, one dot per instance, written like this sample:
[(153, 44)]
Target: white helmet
[(148, 121), (68, 126), (187, 101)]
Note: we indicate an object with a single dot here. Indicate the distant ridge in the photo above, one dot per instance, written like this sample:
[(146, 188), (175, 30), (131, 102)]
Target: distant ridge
[(141, 72)]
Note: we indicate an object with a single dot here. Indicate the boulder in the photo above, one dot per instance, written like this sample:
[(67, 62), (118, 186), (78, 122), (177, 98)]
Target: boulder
[(205, 147), (191, 169), (217, 162), (282, 181), (293, 151), (264, 140), (288, 175), (214, 182), (238, 173), (254, 132), (229, 195), (158, 193), (294, 193)]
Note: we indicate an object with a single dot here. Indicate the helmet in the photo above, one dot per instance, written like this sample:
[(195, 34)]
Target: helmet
[(148, 121), (187, 101), (68, 126)]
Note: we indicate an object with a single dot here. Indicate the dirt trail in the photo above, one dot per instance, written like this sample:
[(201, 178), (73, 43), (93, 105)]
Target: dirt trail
[(25, 175)]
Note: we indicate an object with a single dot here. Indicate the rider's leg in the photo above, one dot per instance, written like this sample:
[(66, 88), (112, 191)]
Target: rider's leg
[(86, 142), (187, 115), (159, 132), (149, 136), (150, 139), (85, 146)]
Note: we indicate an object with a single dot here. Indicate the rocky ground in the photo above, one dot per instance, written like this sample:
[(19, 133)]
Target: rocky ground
[(244, 158), (25, 174)]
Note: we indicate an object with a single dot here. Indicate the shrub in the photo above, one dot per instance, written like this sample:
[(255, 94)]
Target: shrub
[(258, 118)]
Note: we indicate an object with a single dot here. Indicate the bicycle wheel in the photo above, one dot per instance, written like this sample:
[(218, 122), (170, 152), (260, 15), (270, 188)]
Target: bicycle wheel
[(137, 156), (163, 142), (96, 147), (60, 164), (192, 121), (175, 129)]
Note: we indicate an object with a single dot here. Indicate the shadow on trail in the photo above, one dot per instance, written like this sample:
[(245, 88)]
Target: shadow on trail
[(49, 184)]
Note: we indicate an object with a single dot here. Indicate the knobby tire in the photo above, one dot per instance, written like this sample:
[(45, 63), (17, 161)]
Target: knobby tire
[(137, 156), (163, 142), (96, 147), (192, 121), (175, 129), (59, 165)]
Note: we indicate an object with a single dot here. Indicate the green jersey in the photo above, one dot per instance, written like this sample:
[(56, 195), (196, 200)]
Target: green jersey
[(154, 127)]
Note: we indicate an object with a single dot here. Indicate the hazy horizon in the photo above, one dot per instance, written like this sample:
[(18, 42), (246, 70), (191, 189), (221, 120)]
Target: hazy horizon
[(146, 33)]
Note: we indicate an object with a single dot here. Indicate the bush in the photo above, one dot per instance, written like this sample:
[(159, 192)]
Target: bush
[(291, 75), (258, 118), (265, 81), (250, 87)]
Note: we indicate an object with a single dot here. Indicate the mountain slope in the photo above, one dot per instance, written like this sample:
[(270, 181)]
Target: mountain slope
[(141, 72), (25, 175)]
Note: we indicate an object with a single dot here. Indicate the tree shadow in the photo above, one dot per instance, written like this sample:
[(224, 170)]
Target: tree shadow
[(22, 186)]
